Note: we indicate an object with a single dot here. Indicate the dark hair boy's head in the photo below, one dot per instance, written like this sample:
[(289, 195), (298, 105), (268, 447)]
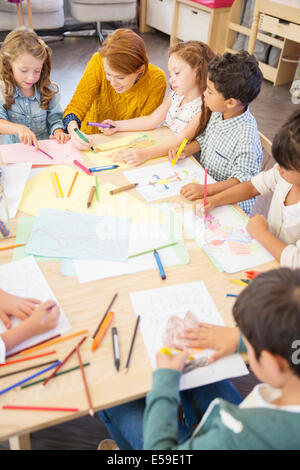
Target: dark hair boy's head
[(236, 76), (286, 143), (267, 313)]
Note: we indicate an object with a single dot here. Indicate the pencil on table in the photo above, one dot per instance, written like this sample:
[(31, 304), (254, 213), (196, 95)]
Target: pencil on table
[(19, 371), (58, 184), (123, 188), (54, 341), (64, 361), (54, 184), (91, 411), (72, 184), (106, 312), (37, 408), (23, 359), (57, 375), (33, 346), (9, 247), (102, 330), (132, 344), (97, 188), (91, 196)]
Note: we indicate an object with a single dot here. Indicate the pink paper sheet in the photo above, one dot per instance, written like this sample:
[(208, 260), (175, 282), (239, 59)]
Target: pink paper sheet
[(20, 153)]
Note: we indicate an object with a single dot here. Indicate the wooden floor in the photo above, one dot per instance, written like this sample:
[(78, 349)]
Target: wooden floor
[(70, 57)]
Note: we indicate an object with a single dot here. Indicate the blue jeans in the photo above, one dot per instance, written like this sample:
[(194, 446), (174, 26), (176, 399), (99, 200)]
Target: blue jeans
[(125, 422)]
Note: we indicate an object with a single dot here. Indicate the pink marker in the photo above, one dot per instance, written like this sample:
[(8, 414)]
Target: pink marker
[(83, 168)]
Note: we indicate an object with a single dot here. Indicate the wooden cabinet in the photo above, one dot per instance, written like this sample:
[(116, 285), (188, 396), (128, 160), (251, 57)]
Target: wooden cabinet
[(275, 24), (186, 20)]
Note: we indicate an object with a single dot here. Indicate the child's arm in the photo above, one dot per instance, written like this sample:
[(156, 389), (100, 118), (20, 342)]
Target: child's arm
[(55, 122), (25, 135), (138, 156), (143, 123), (12, 305), (221, 338), (259, 229), (44, 318)]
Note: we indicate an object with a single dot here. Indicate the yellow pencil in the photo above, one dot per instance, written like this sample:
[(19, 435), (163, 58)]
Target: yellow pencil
[(58, 185), (183, 144), (170, 351), (54, 341), (241, 283), (54, 184)]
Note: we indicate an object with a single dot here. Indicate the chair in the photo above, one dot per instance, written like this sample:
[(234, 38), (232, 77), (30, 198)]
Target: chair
[(102, 10), (262, 203), (37, 14)]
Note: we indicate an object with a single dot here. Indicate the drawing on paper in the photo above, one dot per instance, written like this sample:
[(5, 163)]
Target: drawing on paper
[(175, 326)]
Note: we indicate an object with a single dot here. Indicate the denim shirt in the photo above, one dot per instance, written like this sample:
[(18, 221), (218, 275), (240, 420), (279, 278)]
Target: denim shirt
[(27, 111)]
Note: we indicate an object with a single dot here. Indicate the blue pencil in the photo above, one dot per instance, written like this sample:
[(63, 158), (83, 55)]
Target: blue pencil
[(29, 378), (159, 265), (231, 295)]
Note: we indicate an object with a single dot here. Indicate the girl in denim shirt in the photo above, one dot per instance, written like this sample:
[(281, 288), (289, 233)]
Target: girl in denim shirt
[(29, 102)]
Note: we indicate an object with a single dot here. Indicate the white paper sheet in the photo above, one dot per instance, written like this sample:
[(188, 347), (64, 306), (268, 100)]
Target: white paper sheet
[(13, 180), (162, 180), (24, 278), (164, 311)]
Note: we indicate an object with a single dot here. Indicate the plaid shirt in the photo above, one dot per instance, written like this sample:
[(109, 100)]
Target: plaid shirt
[(230, 148)]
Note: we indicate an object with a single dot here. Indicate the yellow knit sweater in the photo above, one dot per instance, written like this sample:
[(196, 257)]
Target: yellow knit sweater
[(95, 99)]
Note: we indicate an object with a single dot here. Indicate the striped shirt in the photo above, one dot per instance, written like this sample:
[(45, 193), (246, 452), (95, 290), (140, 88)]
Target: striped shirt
[(231, 148), (179, 116)]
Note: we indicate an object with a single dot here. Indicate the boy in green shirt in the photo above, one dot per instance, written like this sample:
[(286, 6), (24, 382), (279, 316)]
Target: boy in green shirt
[(267, 314)]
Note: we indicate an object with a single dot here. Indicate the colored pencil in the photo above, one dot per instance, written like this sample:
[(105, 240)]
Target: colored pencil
[(132, 344), (99, 124), (169, 351), (28, 368), (64, 361), (205, 189), (83, 168), (17, 384), (116, 348), (103, 168), (183, 144), (58, 184), (37, 408), (91, 196), (36, 344), (4, 230), (152, 249), (58, 373), (102, 330), (159, 265), (231, 295), (45, 153), (9, 247), (91, 411), (54, 341), (23, 359), (241, 283), (106, 312), (123, 188), (97, 188), (83, 138), (72, 184), (54, 184)]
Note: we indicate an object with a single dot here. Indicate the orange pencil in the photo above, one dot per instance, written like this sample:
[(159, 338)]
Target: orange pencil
[(91, 411), (8, 247), (73, 182), (102, 330), (27, 358), (54, 341)]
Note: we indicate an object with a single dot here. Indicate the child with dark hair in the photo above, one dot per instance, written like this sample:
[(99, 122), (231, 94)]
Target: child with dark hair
[(280, 234), (267, 314), (229, 147)]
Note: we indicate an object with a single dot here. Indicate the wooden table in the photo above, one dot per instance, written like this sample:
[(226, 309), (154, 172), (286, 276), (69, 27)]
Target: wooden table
[(84, 304)]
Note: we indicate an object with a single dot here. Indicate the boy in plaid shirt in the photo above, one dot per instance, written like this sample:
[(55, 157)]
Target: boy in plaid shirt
[(229, 147)]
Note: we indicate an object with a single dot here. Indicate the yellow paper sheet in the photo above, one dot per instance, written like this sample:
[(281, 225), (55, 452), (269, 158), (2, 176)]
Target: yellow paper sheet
[(39, 192), (104, 155)]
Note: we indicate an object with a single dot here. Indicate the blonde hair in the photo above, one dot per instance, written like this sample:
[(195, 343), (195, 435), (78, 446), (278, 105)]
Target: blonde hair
[(19, 41), (125, 51), (198, 55)]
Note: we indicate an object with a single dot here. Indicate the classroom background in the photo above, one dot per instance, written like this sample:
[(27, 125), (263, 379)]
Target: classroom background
[(73, 42)]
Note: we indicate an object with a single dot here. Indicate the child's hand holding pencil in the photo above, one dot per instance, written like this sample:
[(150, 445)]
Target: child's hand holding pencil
[(172, 361)]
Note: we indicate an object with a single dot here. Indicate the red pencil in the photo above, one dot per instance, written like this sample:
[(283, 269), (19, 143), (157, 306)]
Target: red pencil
[(37, 408), (33, 346), (64, 361), (27, 358), (91, 411), (83, 168), (205, 189)]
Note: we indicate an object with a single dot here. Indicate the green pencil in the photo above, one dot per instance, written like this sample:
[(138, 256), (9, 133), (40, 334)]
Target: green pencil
[(83, 138), (58, 373), (97, 189), (152, 249)]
